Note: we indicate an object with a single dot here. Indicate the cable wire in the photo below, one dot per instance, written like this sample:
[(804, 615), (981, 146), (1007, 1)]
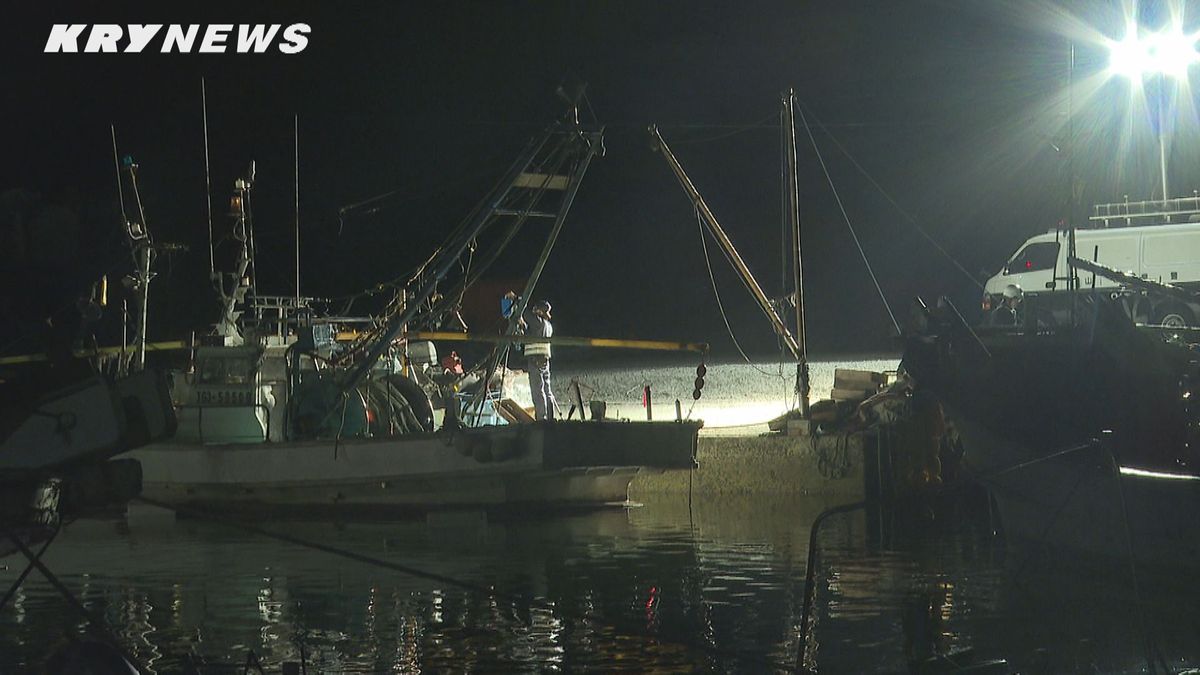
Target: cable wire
[(737, 129), (907, 216), (720, 305), (846, 218)]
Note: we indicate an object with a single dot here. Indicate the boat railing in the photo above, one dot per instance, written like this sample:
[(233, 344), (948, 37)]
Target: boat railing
[(1146, 212), (278, 312)]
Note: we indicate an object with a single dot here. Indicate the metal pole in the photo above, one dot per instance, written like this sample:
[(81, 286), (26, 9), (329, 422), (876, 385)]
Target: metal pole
[(117, 167), (296, 148), (1162, 136), (144, 251), (212, 265), (145, 302), (803, 389), (1072, 275), (249, 211)]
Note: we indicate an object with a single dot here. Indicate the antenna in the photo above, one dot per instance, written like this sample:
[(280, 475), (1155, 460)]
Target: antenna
[(117, 167), (212, 266), (250, 232), (296, 152)]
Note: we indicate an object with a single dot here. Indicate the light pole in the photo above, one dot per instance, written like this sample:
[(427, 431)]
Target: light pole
[(1165, 55)]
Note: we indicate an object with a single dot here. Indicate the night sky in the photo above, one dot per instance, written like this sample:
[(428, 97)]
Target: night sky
[(959, 110)]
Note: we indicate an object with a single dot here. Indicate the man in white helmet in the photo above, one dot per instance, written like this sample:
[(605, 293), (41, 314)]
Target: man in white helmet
[(1008, 313), (537, 357)]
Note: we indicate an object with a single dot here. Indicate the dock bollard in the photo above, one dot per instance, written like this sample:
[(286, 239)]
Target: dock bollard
[(648, 401)]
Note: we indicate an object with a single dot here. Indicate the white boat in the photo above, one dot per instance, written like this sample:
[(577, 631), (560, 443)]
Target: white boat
[(539, 465), (285, 410)]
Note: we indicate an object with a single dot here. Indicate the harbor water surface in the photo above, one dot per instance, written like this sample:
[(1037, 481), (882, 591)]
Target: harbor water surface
[(673, 584)]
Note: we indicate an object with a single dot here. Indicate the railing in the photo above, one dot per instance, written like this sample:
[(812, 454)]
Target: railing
[(1147, 212), (278, 311)]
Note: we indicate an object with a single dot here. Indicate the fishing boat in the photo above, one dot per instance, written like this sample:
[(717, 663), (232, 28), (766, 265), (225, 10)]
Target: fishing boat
[(1084, 431), (287, 409)]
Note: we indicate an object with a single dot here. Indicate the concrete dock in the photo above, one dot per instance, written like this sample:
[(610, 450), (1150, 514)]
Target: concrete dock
[(829, 467)]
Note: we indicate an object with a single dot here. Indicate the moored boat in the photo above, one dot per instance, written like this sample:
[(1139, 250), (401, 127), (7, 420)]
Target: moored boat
[(290, 410), (1085, 433)]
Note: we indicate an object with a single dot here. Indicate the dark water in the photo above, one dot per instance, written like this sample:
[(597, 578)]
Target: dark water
[(661, 588)]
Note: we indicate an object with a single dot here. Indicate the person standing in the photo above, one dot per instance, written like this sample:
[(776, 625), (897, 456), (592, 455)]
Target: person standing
[(537, 359)]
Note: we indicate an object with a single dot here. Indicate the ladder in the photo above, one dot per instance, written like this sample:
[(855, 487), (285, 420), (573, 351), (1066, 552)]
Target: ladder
[(540, 184)]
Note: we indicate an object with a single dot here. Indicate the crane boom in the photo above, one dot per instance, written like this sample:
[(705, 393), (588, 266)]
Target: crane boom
[(718, 233)]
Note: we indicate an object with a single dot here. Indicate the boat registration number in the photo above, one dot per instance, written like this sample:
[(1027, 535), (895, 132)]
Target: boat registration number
[(225, 396)]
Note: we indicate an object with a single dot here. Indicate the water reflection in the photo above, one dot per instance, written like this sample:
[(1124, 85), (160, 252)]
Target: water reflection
[(714, 585)]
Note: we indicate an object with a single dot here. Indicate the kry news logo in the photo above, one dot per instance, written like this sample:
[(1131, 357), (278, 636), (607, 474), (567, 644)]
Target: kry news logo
[(217, 38)]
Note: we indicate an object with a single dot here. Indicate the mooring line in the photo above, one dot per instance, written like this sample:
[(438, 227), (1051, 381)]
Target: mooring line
[(846, 218), (907, 216), (95, 622), (12, 590), (287, 538)]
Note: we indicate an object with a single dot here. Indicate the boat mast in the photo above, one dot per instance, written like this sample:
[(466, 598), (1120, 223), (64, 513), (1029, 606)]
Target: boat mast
[(229, 286), (212, 264), (248, 212), (791, 190), (138, 236), (296, 153)]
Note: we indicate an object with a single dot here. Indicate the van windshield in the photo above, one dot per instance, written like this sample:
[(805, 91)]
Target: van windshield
[(1034, 257)]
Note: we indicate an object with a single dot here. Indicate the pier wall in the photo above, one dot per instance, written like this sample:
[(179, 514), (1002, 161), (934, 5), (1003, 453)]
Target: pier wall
[(826, 466)]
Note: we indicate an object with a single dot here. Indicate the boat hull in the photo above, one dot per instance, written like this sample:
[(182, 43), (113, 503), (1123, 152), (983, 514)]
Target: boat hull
[(539, 465), (1046, 418), (1077, 501)]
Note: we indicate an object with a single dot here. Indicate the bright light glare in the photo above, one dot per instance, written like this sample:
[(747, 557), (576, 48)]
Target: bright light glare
[(1128, 57), (1170, 51)]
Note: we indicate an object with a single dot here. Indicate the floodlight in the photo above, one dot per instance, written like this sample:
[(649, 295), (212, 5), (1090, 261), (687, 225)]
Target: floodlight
[(1173, 52), (1169, 52)]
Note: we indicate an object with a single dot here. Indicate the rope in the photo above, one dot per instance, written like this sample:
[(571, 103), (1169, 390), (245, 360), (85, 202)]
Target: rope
[(738, 129), (16, 585), (94, 621), (721, 307), (846, 218), (907, 216), (588, 101), (326, 548)]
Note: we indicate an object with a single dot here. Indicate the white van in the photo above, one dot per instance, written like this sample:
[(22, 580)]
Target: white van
[(1168, 254)]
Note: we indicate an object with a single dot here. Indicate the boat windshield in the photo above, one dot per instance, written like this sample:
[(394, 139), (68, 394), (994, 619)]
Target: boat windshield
[(226, 371)]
